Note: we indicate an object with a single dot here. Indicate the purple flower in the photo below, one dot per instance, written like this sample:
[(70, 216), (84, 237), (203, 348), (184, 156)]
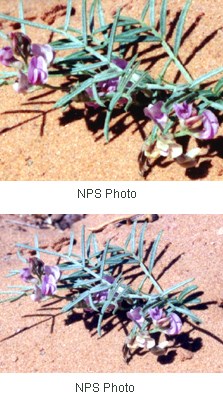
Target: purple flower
[(210, 125), (101, 296), (7, 58), (175, 325), (136, 316), (46, 51), (37, 70), (49, 285), (21, 85), (183, 110), (156, 313), (53, 270), (108, 86), (108, 278), (122, 63), (154, 112), (37, 294), (26, 275)]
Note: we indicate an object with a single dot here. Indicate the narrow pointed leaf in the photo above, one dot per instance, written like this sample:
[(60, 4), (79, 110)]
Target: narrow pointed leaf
[(152, 13), (153, 252), (186, 291), (84, 21), (112, 35), (21, 15), (71, 244), (163, 14), (180, 27), (187, 312), (205, 77), (103, 260), (145, 10), (68, 15), (177, 286), (141, 241)]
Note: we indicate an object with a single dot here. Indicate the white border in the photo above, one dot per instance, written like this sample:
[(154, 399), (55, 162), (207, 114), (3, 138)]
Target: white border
[(60, 389), (151, 197)]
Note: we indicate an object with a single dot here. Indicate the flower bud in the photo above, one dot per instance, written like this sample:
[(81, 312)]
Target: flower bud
[(37, 294), (21, 85), (7, 58), (136, 316), (154, 112), (20, 44), (36, 266)]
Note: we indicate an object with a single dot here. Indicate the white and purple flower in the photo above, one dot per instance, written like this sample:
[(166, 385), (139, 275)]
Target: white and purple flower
[(46, 51), (136, 316), (7, 57), (170, 324), (202, 126), (37, 71), (155, 113)]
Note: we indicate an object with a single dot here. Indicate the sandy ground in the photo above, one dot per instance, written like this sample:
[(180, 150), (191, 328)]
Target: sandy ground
[(38, 338), (38, 142)]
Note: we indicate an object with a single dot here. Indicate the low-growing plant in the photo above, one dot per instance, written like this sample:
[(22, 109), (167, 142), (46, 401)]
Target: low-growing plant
[(97, 281), (94, 59)]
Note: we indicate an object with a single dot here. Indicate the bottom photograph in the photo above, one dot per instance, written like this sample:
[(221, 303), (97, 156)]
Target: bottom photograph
[(140, 293)]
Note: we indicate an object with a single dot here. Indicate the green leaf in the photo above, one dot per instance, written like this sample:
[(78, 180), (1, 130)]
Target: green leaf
[(218, 86), (80, 68), (72, 304), (96, 96), (127, 35), (177, 286), (92, 303), (141, 38), (111, 294), (101, 17), (152, 13), (84, 21), (83, 253), (92, 16), (163, 13), (103, 260), (127, 241), (141, 241), (191, 300), (187, 312), (68, 14), (36, 243), (71, 244), (133, 237), (217, 106), (153, 252), (70, 96), (112, 35), (64, 45), (180, 27), (205, 77), (145, 10), (186, 291), (30, 23), (21, 15), (6, 75), (154, 134)]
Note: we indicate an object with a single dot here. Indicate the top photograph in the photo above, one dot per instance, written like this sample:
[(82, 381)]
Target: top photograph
[(115, 90)]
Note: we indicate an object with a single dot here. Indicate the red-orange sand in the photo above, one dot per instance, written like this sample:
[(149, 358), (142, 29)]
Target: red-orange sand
[(40, 143), (34, 338)]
